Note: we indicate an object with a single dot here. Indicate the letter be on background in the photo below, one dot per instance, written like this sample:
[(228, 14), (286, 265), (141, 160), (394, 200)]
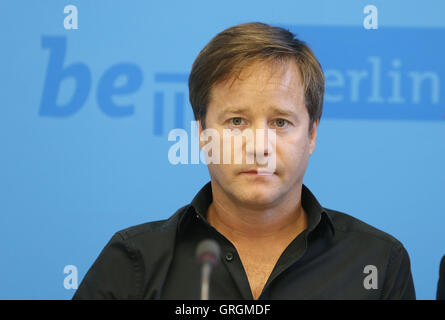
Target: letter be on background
[(56, 73)]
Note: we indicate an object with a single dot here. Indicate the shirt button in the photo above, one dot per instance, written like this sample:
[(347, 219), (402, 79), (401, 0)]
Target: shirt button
[(229, 256)]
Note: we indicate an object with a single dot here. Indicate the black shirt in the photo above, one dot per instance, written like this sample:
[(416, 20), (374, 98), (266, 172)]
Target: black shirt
[(336, 257)]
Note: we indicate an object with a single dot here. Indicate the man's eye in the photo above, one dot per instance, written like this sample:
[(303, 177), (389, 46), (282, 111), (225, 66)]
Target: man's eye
[(236, 121), (281, 123)]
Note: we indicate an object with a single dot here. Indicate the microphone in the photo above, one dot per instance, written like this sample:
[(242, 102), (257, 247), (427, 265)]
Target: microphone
[(207, 254)]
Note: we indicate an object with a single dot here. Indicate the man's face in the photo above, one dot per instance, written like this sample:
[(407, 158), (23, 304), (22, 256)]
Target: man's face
[(261, 99)]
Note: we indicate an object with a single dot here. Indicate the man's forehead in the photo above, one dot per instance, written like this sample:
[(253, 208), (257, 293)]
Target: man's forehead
[(272, 73), (274, 87)]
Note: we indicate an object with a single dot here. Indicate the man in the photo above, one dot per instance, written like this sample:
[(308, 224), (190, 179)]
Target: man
[(276, 240)]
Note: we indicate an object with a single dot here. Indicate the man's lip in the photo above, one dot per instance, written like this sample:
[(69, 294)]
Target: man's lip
[(259, 173)]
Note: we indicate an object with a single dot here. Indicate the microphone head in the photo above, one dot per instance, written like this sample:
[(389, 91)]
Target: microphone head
[(208, 251)]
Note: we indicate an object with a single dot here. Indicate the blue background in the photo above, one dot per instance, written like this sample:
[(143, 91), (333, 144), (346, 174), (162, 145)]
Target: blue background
[(69, 180)]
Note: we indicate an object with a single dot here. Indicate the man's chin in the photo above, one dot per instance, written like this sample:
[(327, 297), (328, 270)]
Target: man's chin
[(258, 197)]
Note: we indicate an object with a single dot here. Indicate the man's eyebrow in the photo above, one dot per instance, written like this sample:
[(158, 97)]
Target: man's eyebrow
[(234, 110), (283, 112), (272, 109)]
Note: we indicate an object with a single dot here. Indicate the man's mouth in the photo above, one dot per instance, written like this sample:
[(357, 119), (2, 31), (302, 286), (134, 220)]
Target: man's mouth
[(250, 172), (258, 172)]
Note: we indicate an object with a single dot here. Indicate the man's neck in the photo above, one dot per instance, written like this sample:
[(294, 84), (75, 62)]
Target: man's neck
[(243, 223)]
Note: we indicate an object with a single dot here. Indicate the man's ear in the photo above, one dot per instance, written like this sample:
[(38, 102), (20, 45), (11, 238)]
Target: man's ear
[(313, 137)]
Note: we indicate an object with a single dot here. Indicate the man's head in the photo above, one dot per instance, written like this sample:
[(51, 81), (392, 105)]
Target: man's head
[(255, 76), (230, 51)]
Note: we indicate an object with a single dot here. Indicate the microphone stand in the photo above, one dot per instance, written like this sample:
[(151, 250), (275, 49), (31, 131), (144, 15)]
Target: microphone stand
[(205, 280)]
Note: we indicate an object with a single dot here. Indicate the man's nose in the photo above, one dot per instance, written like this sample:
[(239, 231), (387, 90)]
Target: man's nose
[(264, 140)]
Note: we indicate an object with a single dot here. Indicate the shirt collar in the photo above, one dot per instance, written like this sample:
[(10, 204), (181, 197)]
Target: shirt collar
[(202, 200), (315, 212)]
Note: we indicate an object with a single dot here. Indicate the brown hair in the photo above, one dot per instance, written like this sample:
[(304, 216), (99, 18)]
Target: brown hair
[(234, 48)]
